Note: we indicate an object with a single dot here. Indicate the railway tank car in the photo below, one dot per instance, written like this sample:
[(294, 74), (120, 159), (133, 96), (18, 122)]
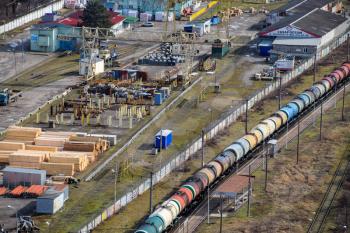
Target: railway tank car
[(163, 216)]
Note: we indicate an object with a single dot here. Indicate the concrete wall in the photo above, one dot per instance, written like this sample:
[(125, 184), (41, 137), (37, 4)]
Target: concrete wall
[(31, 16)]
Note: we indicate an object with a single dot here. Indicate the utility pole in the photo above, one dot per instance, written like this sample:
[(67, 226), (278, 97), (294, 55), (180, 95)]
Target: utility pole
[(348, 45), (298, 142), (321, 121), (151, 195), (208, 205), (249, 185), (342, 110), (315, 60), (202, 147), (220, 213), (280, 93), (266, 155), (246, 116)]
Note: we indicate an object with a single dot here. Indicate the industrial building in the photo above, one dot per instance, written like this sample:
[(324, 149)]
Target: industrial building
[(148, 5), (304, 33), (299, 8), (59, 35)]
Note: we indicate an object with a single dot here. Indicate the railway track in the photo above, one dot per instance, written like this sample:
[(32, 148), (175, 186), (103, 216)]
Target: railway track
[(190, 221), (318, 222)]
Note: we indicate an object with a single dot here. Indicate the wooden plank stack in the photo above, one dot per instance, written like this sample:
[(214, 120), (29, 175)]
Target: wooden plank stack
[(55, 152), (79, 159), (22, 134), (52, 169), (56, 139), (27, 159), (7, 148)]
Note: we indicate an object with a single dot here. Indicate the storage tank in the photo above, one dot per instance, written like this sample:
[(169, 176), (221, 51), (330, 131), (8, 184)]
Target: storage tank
[(316, 91), (321, 88), (209, 173), (277, 121), (188, 194), (330, 80), (252, 141), (225, 162), (258, 134), (299, 103), (237, 150), (326, 84), (294, 107), (264, 129), (282, 115), (244, 143), (217, 167), (156, 222), (270, 124), (147, 228), (311, 95)]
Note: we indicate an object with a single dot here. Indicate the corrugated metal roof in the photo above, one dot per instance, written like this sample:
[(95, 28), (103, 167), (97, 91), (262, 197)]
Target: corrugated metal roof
[(317, 22), (23, 170), (302, 6), (51, 194)]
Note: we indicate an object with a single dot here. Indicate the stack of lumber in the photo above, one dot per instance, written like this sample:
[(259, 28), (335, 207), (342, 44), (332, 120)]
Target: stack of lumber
[(28, 159), (101, 145), (79, 159), (22, 134), (7, 148), (66, 169), (56, 139), (42, 148)]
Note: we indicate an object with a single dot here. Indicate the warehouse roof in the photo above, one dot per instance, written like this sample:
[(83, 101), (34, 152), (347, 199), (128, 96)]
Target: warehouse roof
[(318, 23), (50, 194), (23, 170), (302, 6)]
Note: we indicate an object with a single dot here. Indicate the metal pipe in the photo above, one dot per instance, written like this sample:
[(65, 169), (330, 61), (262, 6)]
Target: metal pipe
[(321, 121), (342, 110)]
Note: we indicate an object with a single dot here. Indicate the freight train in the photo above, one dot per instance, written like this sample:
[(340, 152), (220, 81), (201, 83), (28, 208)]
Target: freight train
[(170, 210)]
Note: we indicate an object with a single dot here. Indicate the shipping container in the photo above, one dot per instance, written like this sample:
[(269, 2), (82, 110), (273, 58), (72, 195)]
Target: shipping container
[(167, 139), (14, 176), (50, 202)]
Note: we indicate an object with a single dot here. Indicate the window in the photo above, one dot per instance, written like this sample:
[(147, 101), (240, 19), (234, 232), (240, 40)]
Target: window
[(305, 50)]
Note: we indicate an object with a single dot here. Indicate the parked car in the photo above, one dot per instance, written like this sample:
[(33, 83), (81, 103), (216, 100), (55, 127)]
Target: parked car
[(147, 24)]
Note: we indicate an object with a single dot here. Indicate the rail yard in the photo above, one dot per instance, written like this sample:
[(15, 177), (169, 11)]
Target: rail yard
[(175, 116)]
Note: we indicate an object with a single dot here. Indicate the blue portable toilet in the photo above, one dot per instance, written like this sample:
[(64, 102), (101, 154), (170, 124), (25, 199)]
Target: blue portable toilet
[(264, 47), (167, 138), (215, 20), (158, 100)]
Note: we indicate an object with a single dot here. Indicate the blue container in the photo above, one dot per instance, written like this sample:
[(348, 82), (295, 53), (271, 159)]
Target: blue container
[(4, 99), (167, 138), (215, 20), (158, 100)]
